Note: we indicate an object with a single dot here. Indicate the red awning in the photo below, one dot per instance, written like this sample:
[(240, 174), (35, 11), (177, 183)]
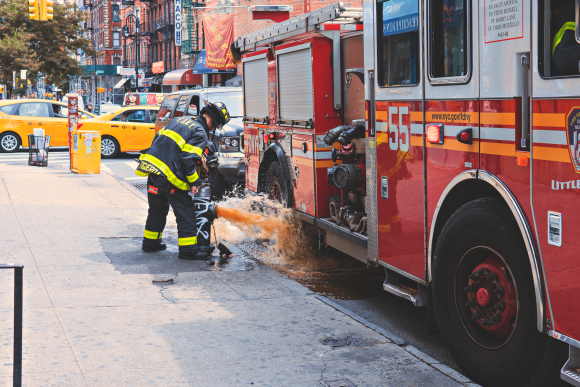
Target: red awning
[(178, 77)]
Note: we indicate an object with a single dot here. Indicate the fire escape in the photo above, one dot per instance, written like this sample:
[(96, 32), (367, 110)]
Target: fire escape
[(192, 43)]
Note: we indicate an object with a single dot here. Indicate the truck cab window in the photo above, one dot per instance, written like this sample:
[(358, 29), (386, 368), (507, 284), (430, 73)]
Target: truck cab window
[(559, 52), (398, 38), (450, 38)]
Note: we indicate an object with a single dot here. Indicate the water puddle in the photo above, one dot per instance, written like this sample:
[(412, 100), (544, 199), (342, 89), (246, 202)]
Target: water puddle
[(266, 231)]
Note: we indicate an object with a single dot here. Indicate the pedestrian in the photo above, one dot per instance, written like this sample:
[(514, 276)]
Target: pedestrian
[(109, 101), (89, 107), (173, 165)]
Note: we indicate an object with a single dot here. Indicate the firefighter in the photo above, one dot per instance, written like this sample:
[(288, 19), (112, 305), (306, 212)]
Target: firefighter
[(173, 164), (565, 49)]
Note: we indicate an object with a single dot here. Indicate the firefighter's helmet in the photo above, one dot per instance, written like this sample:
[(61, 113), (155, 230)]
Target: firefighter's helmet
[(218, 111)]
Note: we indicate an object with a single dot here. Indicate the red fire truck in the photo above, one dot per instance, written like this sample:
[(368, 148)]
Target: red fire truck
[(438, 139)]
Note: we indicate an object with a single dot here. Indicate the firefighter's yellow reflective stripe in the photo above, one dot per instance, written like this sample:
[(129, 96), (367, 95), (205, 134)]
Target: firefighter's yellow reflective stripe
[(192, 149), (166, 171), (141, 173), (193, 177), (152, 234), (181, 142), (567, 26), (187, 241)]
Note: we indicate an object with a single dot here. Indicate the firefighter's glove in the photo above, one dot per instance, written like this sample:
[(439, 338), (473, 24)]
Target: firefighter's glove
[(213, 163)]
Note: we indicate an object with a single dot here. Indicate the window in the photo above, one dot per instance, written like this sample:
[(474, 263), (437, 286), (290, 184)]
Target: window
[(167, 106), (137, 116), (182, 106), (59, 111), (34, 109), (193, 108), (116, 61), (153, 114), (398, 38), (233, 101), (9, 109), (116, 38), (450, 37), (558, 51), (116, 13)]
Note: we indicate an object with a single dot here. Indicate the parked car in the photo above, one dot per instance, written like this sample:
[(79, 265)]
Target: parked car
[(228, 140), (19, 116), (128, 129)]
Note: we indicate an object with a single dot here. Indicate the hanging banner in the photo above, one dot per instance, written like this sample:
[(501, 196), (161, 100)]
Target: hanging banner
[(177, 13), (219, 34)]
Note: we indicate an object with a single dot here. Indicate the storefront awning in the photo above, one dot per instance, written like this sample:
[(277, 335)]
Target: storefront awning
[(200, 68), (120, 83), (179, 77)]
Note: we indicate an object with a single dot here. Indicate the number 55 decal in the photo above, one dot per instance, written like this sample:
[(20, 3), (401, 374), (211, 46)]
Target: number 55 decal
[(398, 137)]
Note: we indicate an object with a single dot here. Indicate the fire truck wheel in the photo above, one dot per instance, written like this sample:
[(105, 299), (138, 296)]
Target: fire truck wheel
[(276, 186), (484, 300)]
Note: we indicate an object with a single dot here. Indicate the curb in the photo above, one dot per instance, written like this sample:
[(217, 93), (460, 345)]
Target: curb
[(445, 370), (394, 338)]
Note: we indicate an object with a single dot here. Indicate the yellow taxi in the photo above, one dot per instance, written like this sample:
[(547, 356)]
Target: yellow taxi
[(128, 129), (19, 116)]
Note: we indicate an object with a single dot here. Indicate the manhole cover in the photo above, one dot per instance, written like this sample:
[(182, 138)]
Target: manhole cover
[(140, 185), (338, 383)]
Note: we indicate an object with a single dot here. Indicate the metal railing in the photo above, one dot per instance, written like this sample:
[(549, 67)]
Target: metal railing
[(18, 291)]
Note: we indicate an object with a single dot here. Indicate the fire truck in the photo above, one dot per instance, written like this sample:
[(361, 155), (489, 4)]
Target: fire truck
[(439, 140)]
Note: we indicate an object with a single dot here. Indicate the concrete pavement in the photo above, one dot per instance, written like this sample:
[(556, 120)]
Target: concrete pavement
[(99, 312)]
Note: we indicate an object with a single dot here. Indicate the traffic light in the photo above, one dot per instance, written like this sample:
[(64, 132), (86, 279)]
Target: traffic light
[(33, 10), (49, 10), (46, 11), (100, 90), (1, 89)]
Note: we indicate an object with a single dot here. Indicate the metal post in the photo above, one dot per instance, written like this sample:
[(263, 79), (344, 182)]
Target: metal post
[(18, 293)]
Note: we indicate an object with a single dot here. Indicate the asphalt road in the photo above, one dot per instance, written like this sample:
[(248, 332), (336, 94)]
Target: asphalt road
[(349, 283)]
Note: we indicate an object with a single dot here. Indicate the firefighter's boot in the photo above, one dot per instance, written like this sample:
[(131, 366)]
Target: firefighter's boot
[(193, 255), (152, 245)]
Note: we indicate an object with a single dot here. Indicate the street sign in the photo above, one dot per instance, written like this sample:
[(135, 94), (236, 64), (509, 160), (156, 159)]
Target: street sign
[(23, 74), (177, 13)]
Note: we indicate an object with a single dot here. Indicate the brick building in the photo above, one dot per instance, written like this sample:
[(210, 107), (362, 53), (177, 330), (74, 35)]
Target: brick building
[(104, 27)]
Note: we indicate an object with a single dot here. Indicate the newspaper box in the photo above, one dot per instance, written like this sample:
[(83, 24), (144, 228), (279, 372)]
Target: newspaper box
[(86, 152)]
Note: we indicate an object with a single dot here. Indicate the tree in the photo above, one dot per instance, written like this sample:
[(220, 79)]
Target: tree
[(49, 47)]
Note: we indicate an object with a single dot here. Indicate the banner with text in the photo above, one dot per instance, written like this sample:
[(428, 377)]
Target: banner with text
[(219, 34)]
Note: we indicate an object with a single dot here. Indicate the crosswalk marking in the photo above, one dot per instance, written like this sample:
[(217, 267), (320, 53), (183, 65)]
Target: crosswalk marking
[(135, 178)]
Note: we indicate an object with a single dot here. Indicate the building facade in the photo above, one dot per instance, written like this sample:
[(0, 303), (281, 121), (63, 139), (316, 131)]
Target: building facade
[(104, 27)]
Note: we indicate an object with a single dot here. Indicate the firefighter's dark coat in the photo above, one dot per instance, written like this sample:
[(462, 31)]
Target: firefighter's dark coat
[(175, 152)]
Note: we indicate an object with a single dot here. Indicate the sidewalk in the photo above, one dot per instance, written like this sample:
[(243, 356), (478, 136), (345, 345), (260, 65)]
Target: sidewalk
[(100, 312)]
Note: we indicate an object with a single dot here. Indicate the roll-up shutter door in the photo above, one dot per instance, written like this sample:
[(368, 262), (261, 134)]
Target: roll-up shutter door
[(256, 88), (295, 85)]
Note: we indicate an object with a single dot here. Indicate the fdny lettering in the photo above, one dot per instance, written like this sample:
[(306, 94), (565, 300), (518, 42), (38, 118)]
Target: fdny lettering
[(252, 143), (557, 185), (186, 121), (146, 167)]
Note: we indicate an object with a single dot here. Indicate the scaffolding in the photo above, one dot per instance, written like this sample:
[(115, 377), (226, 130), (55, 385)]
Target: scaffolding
[(193, 43)]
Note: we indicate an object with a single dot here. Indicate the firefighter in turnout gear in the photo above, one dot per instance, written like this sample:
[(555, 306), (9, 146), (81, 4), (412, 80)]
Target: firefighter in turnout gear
[(176, 163)]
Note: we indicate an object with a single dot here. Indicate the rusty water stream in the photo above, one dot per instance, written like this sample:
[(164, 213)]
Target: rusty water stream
[(266, 231)]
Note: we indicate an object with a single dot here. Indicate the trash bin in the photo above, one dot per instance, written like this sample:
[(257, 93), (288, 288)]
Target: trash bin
[(38, 147), (86, 152)]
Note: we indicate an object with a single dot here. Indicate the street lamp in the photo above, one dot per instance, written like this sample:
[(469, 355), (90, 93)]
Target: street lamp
[(134, 33)]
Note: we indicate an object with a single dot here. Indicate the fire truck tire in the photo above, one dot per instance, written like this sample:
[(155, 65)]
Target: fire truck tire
[(483, 232), (276, 187)]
